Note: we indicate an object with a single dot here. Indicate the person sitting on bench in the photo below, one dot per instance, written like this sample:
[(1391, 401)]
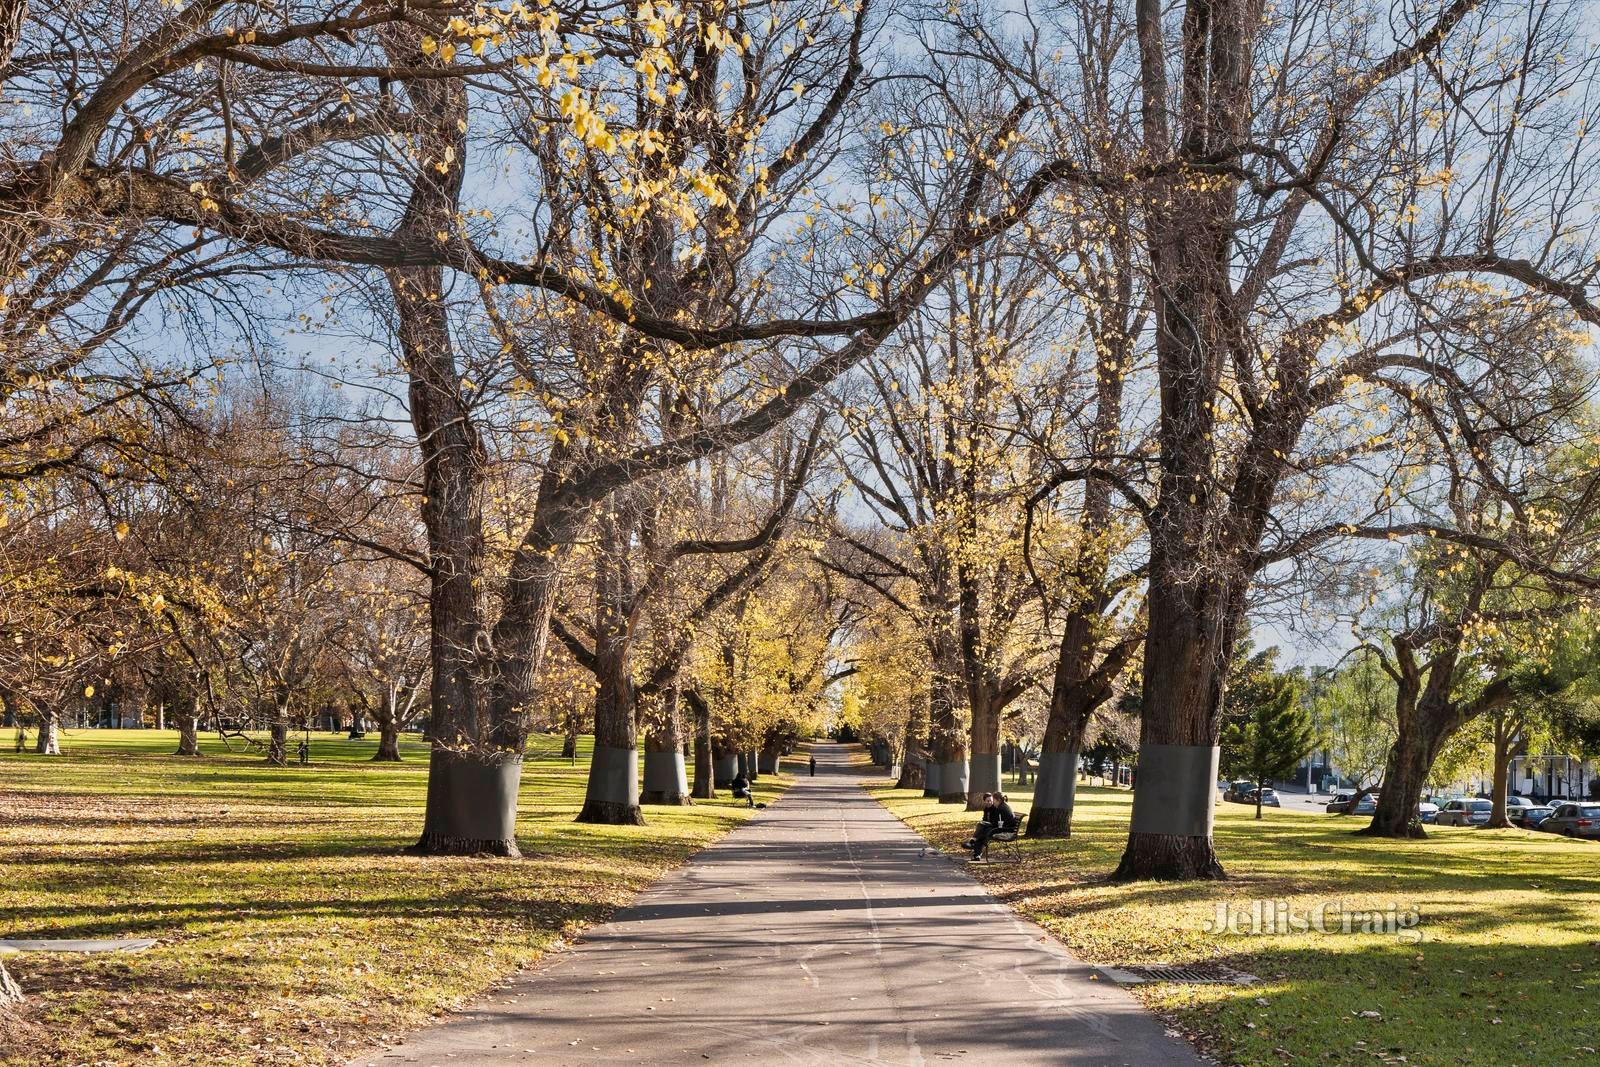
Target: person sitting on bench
[(997, 818), (742, 791)]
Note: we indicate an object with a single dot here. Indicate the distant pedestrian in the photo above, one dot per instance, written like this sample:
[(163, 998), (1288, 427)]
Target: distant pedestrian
[(813, 766), (742, 791)]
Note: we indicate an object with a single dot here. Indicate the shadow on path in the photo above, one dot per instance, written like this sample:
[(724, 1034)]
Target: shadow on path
[(821, 932)]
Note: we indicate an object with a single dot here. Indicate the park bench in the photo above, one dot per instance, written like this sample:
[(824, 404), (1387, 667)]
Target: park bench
[(1006, 834)]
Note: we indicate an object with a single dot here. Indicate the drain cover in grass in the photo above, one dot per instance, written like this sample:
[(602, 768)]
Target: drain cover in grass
[(1207, 974), (128, 944)]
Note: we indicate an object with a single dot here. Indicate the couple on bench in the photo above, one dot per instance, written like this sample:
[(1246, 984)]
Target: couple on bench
[(998, 818)]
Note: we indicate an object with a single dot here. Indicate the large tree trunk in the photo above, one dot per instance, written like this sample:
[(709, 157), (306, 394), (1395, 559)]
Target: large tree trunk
[(705, 787), (946, 738), (388, 729), (472, 803), (612, 793), (913, 766), (665, 781), (1404, 776), (472, 782), (189, 730), (769, 758), (1425, 718), (523, 630), (278, 738), (1186, 651), (569, 738), (1202, 535), (984, 763), (612, 796), (48, 742), (1080, 686), (1505, 736)]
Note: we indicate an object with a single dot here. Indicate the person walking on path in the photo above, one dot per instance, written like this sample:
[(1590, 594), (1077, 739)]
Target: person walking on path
[(813, 766)]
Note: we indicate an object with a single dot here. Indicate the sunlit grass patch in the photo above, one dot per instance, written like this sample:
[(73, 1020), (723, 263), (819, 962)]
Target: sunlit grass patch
[(1507, 970), (293, 927)]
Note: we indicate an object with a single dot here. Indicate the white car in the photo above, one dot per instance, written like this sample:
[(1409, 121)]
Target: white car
[(1469, 812)]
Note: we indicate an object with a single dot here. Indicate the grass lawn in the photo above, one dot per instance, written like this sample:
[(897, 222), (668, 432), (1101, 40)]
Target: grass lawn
[(292, 927), (1507, 972)]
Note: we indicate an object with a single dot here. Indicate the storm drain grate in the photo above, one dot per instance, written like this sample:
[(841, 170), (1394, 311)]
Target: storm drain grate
[(1130, 974)]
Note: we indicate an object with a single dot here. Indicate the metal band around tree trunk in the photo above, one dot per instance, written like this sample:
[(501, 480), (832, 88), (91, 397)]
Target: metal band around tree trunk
[(930, 780), (1175, 791), (664, 773), (1057, 784), (952, 778), (472, 796), (985, 773), (614, 775)]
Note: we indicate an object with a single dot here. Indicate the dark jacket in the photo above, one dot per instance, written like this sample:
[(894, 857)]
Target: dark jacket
[(999, 816)]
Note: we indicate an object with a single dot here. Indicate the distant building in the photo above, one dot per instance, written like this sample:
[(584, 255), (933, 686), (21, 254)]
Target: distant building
[(1552, 774)]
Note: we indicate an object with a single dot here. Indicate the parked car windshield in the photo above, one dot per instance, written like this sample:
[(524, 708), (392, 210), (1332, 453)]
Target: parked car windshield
[(1482, 805)]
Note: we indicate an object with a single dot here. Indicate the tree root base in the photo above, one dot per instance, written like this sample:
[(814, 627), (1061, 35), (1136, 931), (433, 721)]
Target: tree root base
[(1168, 858), (442, 845), (1412, 831), (1049, 822), (610, 813)]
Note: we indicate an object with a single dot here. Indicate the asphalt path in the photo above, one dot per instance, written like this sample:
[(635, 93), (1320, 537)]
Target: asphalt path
[(821, 932)]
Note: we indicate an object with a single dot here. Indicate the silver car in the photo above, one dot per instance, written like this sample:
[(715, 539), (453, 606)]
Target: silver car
[(1465, 813), (1574, 820)]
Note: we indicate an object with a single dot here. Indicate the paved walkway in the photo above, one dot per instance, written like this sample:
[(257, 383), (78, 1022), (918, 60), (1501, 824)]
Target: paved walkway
[(818, 933)]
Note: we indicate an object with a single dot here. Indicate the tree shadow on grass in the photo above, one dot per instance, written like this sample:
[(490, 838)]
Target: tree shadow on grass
[(166, 920)]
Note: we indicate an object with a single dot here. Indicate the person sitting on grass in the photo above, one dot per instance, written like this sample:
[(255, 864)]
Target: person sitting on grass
[(997, 816), (742, 790)]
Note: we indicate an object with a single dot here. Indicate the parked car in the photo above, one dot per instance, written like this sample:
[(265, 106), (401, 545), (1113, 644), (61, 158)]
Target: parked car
[(1574, 819), (1238, 789), (1340, 804), (1465, 813), (1269, 797), (1531, 817), (1427, 811), (1515, 804)]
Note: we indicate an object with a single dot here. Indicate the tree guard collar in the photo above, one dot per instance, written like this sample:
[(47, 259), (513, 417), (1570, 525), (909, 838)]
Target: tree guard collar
[(472, 796), (1057, 783), (614, 775), (664, 772), (985, 773), (1175, 793)]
